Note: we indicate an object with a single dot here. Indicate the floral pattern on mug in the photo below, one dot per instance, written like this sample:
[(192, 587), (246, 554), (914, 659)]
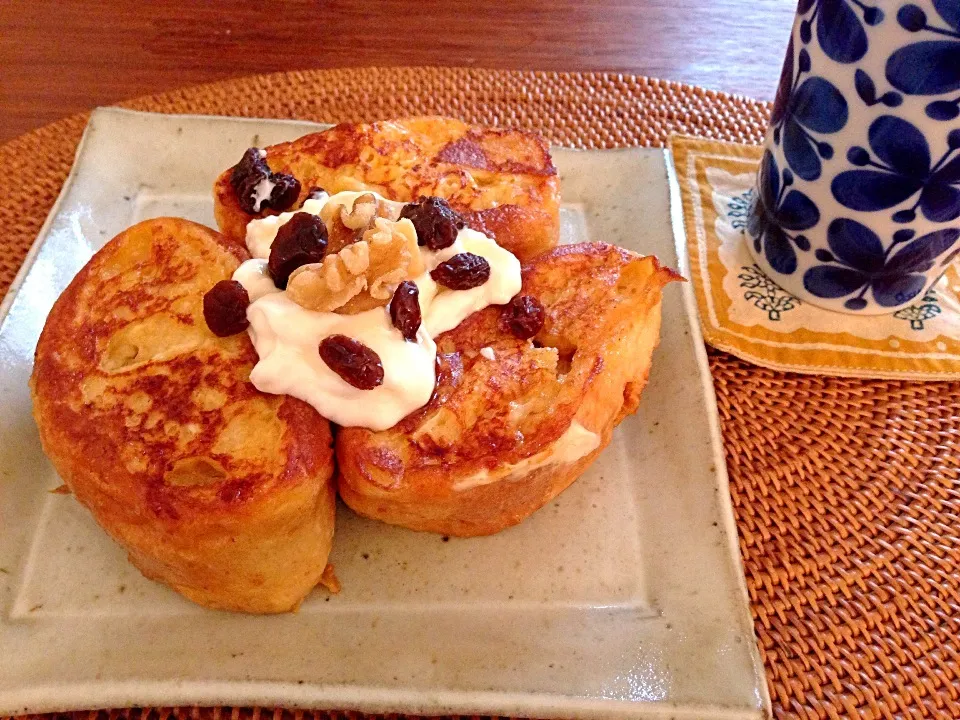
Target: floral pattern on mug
[(867, 90), (902, 168), (864, 140), (932, 65), (840, 32), (777, 209), (858, 263), (814, 105)]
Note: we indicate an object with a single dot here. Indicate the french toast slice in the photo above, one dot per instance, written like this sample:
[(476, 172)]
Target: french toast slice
[(514, 422), (216, 489), (502, 182)]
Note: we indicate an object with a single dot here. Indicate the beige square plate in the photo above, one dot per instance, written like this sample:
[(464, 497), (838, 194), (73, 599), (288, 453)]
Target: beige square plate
[(623, 599)]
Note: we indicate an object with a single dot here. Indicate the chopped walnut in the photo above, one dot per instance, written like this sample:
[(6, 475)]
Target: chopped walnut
[(356, 258), (362, 275), (361, 214), (346, 226), (340, 236), (329, 285), (394, 256)]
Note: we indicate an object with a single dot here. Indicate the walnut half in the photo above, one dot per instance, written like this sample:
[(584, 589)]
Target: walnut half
[(361, 275), (348, 225)]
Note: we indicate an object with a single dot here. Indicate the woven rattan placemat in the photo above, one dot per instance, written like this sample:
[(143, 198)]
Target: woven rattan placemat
[(846, 492)]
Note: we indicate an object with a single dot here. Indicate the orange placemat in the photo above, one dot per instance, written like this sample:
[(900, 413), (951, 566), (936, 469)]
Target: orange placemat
[(846, 491), (744, 312)]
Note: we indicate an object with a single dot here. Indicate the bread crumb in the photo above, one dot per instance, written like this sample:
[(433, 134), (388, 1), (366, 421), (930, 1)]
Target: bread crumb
[(329, 580)]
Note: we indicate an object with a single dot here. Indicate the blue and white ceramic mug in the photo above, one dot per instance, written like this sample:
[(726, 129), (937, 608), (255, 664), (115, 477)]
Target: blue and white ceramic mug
[(857, 204)]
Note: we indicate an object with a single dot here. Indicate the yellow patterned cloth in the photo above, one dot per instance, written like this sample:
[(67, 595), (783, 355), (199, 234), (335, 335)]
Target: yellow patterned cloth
[(743, 312)]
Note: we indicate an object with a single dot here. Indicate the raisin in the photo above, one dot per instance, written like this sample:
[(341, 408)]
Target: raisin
[(523, 316), (299, 241), (286, 190), (246, 193), (353, 361), (225, 308), (246, 175), (436, 223), (405, 309), (251, 164), (462, 272), (252, 170)]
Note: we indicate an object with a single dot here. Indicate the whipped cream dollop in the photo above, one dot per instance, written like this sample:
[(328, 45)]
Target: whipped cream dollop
[(287, 336), (262, 232), (261, 192), (255, 278)]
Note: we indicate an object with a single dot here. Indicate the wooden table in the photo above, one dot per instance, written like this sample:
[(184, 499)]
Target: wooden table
[(58, 57)]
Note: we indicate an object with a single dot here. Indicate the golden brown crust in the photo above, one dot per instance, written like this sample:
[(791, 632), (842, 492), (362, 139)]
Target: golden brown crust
[(503, 181), (588, 364), (214, 488)]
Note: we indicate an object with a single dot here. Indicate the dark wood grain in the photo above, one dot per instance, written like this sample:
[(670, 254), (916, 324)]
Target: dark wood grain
[(60, 57)]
